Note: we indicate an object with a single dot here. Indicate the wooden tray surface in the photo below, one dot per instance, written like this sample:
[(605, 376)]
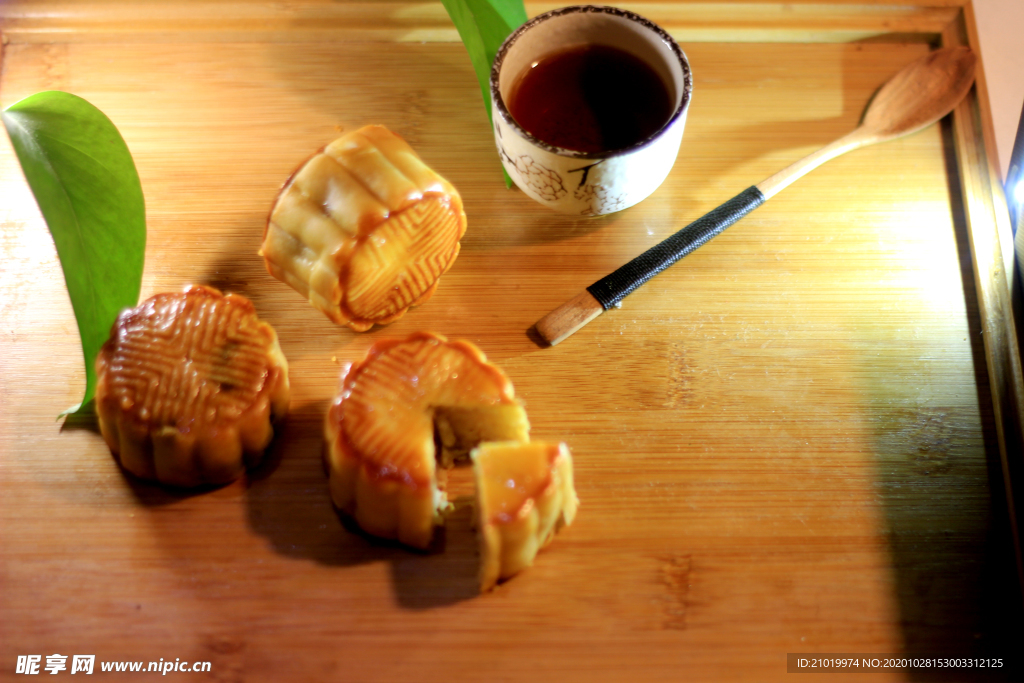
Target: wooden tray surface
[(793, 441)]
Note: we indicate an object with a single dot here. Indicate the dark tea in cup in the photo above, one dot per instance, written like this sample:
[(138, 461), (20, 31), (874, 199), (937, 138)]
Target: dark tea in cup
[(590, 98)]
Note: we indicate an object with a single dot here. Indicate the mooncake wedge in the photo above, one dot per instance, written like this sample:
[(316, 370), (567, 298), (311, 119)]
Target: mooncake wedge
[(364, 229), (189, 384), (410, 408), (524, 495)]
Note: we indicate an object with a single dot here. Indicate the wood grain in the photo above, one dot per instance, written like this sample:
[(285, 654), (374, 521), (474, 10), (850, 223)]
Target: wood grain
[(416, 21), (994, 270), (789, 444)]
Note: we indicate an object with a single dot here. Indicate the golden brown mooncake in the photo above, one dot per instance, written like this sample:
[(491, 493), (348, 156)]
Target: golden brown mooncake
[(364, 229), (408, 405), (188, 385), (524, 494)]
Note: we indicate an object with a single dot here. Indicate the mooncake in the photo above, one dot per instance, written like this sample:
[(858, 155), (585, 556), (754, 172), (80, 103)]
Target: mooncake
[(364, 229), (524, 494), (412, 407), (188, 386)]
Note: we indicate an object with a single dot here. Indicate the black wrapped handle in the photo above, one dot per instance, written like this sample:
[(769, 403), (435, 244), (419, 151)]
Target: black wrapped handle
[(613, 288)]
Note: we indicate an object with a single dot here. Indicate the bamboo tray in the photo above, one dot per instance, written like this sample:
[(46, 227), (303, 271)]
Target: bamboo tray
[(796, 440)]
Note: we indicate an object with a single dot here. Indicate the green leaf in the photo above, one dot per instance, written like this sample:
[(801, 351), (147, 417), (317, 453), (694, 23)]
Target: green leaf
[(483, 26), (86, 185)]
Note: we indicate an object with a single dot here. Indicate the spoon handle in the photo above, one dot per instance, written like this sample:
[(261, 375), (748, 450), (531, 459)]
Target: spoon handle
[(612, 288)]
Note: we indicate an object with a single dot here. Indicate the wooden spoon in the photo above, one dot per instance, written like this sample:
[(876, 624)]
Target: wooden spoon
[(916, 97)]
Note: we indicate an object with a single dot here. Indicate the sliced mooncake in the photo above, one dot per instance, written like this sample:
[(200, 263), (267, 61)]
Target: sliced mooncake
[(524, 494), (409, 405)]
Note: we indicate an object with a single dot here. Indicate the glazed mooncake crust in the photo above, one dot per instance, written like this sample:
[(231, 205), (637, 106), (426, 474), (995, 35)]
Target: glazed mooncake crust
[(188, 386), (364, 229), (524, 494), (396, 409)]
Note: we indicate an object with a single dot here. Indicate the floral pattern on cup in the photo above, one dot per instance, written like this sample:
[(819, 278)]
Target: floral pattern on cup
[(600, 199), (541, 179)]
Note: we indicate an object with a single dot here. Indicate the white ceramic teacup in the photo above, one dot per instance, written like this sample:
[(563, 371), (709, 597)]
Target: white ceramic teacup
[(589, 183)]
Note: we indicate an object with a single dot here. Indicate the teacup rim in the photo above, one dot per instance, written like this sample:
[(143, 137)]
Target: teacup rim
[(499, 59)]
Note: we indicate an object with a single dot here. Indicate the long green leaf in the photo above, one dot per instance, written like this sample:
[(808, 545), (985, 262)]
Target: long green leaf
[(86, 185), (483, 26)]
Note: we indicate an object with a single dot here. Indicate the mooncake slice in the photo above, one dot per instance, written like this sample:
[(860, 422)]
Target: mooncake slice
[(524, 494), (411, 404), (188, 386), (364, 229)]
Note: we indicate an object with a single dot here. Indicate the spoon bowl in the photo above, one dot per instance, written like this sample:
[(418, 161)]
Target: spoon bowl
[(920, 94)]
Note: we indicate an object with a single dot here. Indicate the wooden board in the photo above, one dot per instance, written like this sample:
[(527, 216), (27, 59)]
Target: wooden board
[(789, 442)]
